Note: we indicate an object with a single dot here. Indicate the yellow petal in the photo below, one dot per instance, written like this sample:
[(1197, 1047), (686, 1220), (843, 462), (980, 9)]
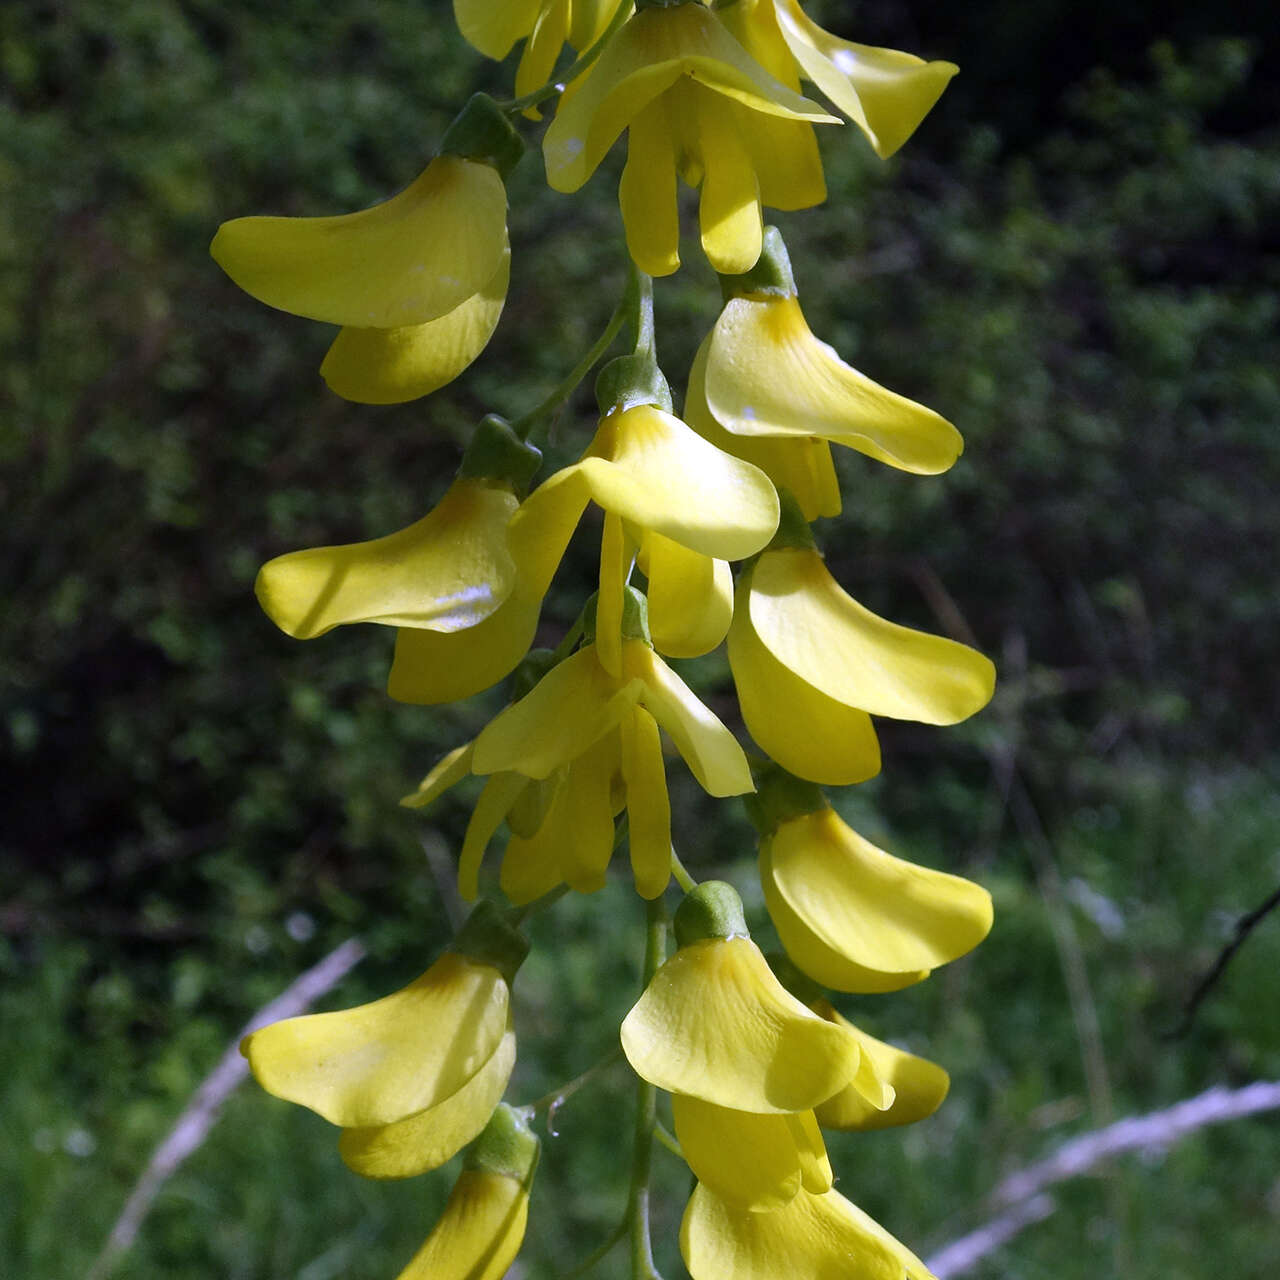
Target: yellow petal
[(815, 1167), (767, 375), (574, 705), (448, 571), (690, 598), (652, 51), (584, 859), (648, 804), (425, 1141), (806, 732), (616, 555), (384, 1061), (729, 210), (819, 1237), (403, 262), (707, 747), (500, 792), (493, 26), (828, 639), (715, 1023), (533, 863), (858, 919), (533, 804), (884, 92), (647, 193), (391, 366), (479, 1233), (750, 1160), (800, 464), (653, 470), (546, 39), (448, 771), (918, 1086)]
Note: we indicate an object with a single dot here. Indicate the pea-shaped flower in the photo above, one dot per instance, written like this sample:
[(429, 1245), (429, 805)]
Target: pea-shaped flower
[(682, 84), (812, 666), (433, 1057), (482, 1227), (714, 1023), (417, 282)]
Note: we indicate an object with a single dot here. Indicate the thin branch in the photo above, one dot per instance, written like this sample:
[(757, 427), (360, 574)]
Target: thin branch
[(1244, 927), (202, 1112), (1020, 1197)]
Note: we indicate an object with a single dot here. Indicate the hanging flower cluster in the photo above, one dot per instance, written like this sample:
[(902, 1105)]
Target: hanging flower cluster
[(756, 1060)]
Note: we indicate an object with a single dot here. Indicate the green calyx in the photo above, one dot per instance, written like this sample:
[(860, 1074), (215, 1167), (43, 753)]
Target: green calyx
[(506, 1145), (799, 984), (635, 616), (497, 453), (794, 531), (780, 796), (482, 132), (488, 937), (712, 910), (629, 381), (771, 277)]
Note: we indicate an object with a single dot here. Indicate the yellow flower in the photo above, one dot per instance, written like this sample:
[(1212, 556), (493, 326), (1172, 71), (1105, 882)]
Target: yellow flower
[(917, 1087), (652, 474), (414, 1076), (482, 1227), (717, 1025), (765, 389), (417, 282), (680, 82), (594, 737), (855, 918), (690, 597), (812, 666), (884, 92), (821, 1237), (756, 1162)]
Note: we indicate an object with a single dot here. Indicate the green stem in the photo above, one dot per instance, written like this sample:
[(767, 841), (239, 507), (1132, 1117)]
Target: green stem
[(551, 1101), (597, 1254), (668, 1139), (524, 425), (642, 1267), (557, 86), (642, 314), (519, 915), (683, 878)]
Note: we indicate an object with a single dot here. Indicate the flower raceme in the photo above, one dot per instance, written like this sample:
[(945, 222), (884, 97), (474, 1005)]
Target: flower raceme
[(690, 95), (417, 282), (413, 1077)]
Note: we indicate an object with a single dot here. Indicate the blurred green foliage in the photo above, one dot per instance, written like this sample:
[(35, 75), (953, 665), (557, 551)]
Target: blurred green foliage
[(198, 807)]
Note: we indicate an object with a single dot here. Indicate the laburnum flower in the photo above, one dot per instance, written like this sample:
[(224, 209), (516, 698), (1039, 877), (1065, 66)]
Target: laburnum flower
[(850, 915), (444, 573), (656, 479), (417, 282), (413, 1077), (690, 96), (482, 1227), (812, 666), (818, 1236), (493, 26), (884, 92), (574, 752), (765, 389), (715, 1024)]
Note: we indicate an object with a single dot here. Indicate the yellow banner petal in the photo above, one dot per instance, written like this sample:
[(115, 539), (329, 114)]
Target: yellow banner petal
[(715, 1023), (690, 597), (854, 917), (447, 571), (806, 732), (917, 1085), (384, 1061), (823, 635), (425, 1141), (391, 366), (767, 375), (494, 27), (403, 262)]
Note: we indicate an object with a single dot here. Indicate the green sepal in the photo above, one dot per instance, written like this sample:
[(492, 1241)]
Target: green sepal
[(488, 937), (635, 616), (794, 532), (712, 910), (771, 277), (780, 796), (482, 132), (506, 1145), (497, 453), (628, 381)]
